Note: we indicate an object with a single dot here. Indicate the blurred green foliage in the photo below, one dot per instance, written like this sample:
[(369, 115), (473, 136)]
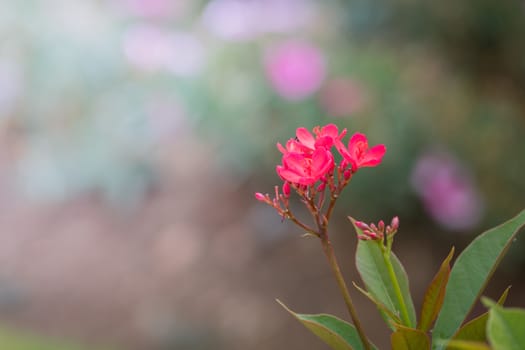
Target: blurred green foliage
[(15, 340)]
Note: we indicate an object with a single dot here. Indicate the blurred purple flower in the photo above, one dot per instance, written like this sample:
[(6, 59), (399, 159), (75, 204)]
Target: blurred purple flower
[(151, 48), (295, 69), (447, 191), (246, 19)]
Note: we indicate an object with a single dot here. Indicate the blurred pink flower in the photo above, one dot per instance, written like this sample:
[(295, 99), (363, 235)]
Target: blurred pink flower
[(341, 97), (358, 154), (295, 69), (447, 191)]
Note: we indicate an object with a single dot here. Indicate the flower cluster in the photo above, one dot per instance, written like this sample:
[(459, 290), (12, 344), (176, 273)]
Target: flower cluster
[(309, 167)]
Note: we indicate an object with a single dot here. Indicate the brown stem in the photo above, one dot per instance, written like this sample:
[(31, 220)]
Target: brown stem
[(332, 261), (292, 217), (331, 206)]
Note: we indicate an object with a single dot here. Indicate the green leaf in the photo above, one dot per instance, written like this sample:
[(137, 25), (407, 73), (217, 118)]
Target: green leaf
[(379, 305), (434, 295), (467, 345), (374, 273), (405, 338), (476, 329), (338, 334), (506, 328), (470, 274)]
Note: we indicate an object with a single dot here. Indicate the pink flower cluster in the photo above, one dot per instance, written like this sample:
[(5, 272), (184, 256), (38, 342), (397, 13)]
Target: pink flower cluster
[(308, 158), (308, 163)]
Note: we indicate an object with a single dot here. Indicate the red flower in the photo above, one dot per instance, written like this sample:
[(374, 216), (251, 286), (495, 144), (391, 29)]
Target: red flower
[(305, 169), (358, 154)]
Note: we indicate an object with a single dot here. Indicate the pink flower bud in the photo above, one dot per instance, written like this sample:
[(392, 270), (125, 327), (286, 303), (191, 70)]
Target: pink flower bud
[(347, 174), (371, 234), (381, 225), (321, 187), (260, 197), (395, 223), (361, 225), (286, 189)]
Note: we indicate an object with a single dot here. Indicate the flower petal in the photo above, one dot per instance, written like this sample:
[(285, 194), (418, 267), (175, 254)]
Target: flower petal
[(295, 162), (343, 151), (281, 148), (355, 139), (305, 137), (291, 176), (373, 156), (330, 130), (322, 162), (324, 141)]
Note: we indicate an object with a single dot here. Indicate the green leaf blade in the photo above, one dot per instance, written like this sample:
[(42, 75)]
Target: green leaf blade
[(405, 338), (336, 333), (467, 345), (476, 329), (470, 274), (370, 265), (384, 310), (506, 328), (434, 295)]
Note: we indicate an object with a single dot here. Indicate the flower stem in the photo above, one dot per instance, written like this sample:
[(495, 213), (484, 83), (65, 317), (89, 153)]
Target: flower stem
[(332, 261), (397, 288)]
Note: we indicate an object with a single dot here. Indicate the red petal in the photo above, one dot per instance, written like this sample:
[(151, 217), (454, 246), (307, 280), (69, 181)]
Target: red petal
[(343, 151), (305, 137), (289, 176), (295, 162), (322, 162), (374, 156), (324, 141), (355, 139), (330, 130), (281, 148)]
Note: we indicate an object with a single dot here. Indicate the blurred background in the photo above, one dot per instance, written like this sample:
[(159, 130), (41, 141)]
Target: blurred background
[(134, 133)]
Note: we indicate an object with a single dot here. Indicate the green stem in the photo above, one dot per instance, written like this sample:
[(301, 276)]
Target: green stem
[(397, 288), (332, 261)]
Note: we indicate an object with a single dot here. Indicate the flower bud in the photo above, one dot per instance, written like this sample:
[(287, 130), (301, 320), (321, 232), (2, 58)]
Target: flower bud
[(321, 187), (395, 223), (286, 189), (361, 225), (347, 174), (260, 197)]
